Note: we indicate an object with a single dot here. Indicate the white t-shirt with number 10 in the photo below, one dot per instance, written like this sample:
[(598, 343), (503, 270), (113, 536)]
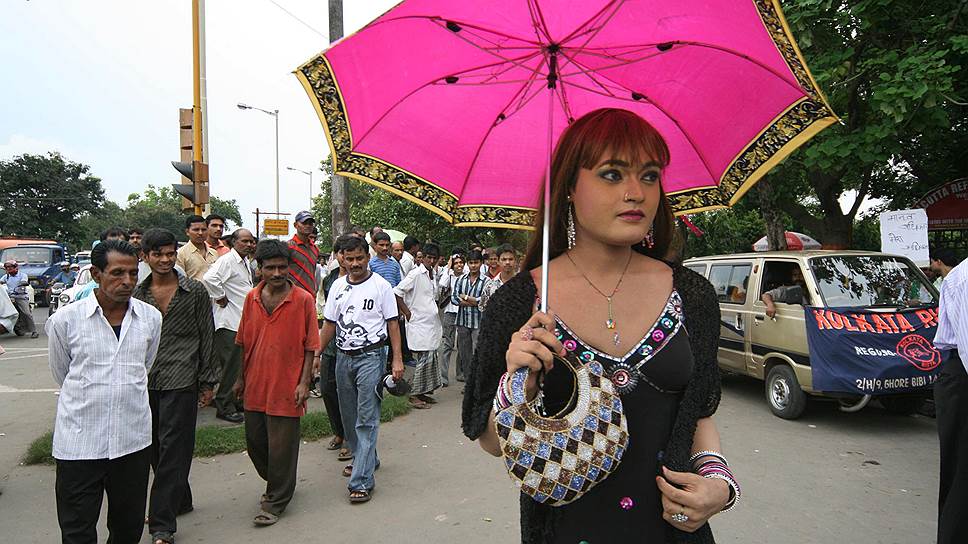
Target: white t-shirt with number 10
[(360, 311)]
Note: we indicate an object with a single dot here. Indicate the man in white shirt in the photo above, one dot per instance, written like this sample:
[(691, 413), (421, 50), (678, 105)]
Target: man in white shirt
[(228, 281), (418, 291), (361, 313), (448, 317), (951, 403), (100, 350)]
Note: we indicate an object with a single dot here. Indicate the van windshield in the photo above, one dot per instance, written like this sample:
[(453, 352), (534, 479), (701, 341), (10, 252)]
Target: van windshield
[(853, 281), (27, 255)]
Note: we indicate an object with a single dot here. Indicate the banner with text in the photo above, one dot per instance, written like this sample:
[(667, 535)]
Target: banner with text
[(872, 353)]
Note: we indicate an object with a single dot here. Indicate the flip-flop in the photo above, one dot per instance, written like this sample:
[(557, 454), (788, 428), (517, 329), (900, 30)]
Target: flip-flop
[(344, 455), (347, 471), (359, 496), (418, 404), (334, 444), (265, 518)]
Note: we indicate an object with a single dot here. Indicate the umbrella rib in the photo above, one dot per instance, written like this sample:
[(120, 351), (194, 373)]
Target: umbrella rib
[(675, 121), (726, 50), (411, 93), (537, 21), (575, 33), (437, 19), (490, 129), (588, 74)]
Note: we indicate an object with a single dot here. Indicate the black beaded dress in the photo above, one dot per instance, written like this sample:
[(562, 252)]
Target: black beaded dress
[(650, 378)]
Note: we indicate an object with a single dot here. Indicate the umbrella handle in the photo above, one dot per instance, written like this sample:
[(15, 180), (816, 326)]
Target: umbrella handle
[(546, 228)]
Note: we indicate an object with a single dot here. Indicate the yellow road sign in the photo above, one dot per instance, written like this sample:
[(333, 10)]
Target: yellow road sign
[(276, 226)]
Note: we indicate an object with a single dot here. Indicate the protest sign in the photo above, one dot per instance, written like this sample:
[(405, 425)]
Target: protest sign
[(905, 232)]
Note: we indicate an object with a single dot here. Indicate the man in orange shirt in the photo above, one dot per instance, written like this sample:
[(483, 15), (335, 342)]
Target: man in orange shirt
[(278, 336)]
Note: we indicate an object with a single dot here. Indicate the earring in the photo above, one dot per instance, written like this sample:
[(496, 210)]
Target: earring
[(571, 228), (649, 239)]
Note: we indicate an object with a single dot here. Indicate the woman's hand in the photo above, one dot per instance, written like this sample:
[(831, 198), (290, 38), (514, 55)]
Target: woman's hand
[(696, 497), (533, 347)]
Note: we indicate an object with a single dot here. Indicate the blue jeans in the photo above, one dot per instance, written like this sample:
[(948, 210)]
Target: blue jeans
[(356, 380)]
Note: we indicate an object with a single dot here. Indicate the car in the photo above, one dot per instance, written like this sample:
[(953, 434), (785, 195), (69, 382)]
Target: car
[(775, 349)]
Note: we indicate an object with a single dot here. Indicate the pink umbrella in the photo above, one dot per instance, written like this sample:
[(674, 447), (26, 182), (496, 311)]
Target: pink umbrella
[(455, 105), (795, 241)]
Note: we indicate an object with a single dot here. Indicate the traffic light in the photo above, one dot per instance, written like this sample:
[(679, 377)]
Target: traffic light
[(194, 182)]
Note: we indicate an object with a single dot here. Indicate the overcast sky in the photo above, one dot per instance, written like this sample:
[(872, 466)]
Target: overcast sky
[(101, 81)]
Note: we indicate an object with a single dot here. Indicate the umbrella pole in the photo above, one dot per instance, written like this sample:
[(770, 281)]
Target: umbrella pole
[(546, 227)]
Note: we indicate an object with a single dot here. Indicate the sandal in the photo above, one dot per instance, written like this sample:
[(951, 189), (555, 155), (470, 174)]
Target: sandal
[(418, 404), (359, 495), (427, 398), (163, 537), (347, 471), (344, 454), (265, 518), (335, 443)]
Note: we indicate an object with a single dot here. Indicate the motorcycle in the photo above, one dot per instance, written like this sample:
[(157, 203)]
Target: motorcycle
[(55, 298)]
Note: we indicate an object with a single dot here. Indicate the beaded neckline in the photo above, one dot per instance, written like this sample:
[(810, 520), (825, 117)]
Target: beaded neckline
[(625, 371)]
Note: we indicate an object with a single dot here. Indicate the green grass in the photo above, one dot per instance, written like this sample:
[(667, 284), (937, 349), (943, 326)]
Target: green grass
[(211, 440)]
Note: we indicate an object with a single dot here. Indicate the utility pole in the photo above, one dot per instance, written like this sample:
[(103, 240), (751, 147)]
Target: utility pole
[(338, 184)]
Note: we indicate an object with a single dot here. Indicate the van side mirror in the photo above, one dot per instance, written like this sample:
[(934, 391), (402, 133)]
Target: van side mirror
[(793, 295)]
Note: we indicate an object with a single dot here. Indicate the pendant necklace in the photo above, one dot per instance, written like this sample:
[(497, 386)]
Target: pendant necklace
[(610, 322)]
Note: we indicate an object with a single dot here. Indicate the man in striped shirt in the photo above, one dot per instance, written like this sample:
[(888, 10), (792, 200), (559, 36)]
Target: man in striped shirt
[(305, 254), (184, 374), (467, 296)]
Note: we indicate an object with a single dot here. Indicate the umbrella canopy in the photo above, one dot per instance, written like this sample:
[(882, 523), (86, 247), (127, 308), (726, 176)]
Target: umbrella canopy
[(447, 103), (795, 241)]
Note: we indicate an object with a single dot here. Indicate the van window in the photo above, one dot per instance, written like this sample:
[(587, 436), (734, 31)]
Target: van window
[(871, 281), (698, 268), (777, 274), (731, 282), (28, 255)]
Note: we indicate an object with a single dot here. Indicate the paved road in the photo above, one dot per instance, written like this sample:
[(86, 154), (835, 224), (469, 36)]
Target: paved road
[(869, 477)]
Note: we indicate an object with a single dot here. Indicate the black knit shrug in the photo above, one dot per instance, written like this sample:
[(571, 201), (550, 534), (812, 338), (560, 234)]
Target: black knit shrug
[(509, 309)]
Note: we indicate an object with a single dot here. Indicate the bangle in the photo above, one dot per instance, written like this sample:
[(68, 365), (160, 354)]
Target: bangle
[(707, 453), (501, 398), (734, 490)]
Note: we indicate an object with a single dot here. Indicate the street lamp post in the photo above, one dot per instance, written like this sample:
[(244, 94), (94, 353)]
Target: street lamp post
[(310, 174), (275, 114)]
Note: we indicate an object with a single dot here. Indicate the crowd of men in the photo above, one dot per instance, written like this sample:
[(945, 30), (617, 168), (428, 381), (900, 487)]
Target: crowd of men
[(254, 328)]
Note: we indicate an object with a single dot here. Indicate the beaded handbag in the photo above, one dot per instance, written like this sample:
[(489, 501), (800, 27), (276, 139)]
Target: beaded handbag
[(556, 460)]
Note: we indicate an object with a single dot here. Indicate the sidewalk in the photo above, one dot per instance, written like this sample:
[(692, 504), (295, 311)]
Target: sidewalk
[(420, 494)]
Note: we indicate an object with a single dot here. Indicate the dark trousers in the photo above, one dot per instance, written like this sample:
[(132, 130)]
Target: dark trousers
[(951, 403), (80, 488), (173, 416), (273, 447), (466, 342), (230, 357), (327, 386), (25, 319)]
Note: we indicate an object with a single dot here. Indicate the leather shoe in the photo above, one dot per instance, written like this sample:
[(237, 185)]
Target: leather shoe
[(234, 417)]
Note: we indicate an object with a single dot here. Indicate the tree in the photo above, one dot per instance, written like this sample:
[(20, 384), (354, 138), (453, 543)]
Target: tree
[(339, 186), (155, 207), (894, 80), (45, 196)]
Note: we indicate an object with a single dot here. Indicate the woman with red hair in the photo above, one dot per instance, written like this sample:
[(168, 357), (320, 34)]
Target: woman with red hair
[(614, 298)]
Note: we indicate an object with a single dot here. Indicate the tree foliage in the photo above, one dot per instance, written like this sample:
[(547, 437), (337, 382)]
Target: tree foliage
[(44, 196), (155, 207), (894, 70)]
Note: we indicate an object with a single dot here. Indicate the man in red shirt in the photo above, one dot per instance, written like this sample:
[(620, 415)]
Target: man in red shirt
[(305, 254), (278, 336)]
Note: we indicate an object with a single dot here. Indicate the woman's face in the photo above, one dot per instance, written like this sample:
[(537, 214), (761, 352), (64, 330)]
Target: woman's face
[(616, 201)]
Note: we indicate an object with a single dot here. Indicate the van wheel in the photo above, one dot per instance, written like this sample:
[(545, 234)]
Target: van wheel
[(783, 393), (904, 406)]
